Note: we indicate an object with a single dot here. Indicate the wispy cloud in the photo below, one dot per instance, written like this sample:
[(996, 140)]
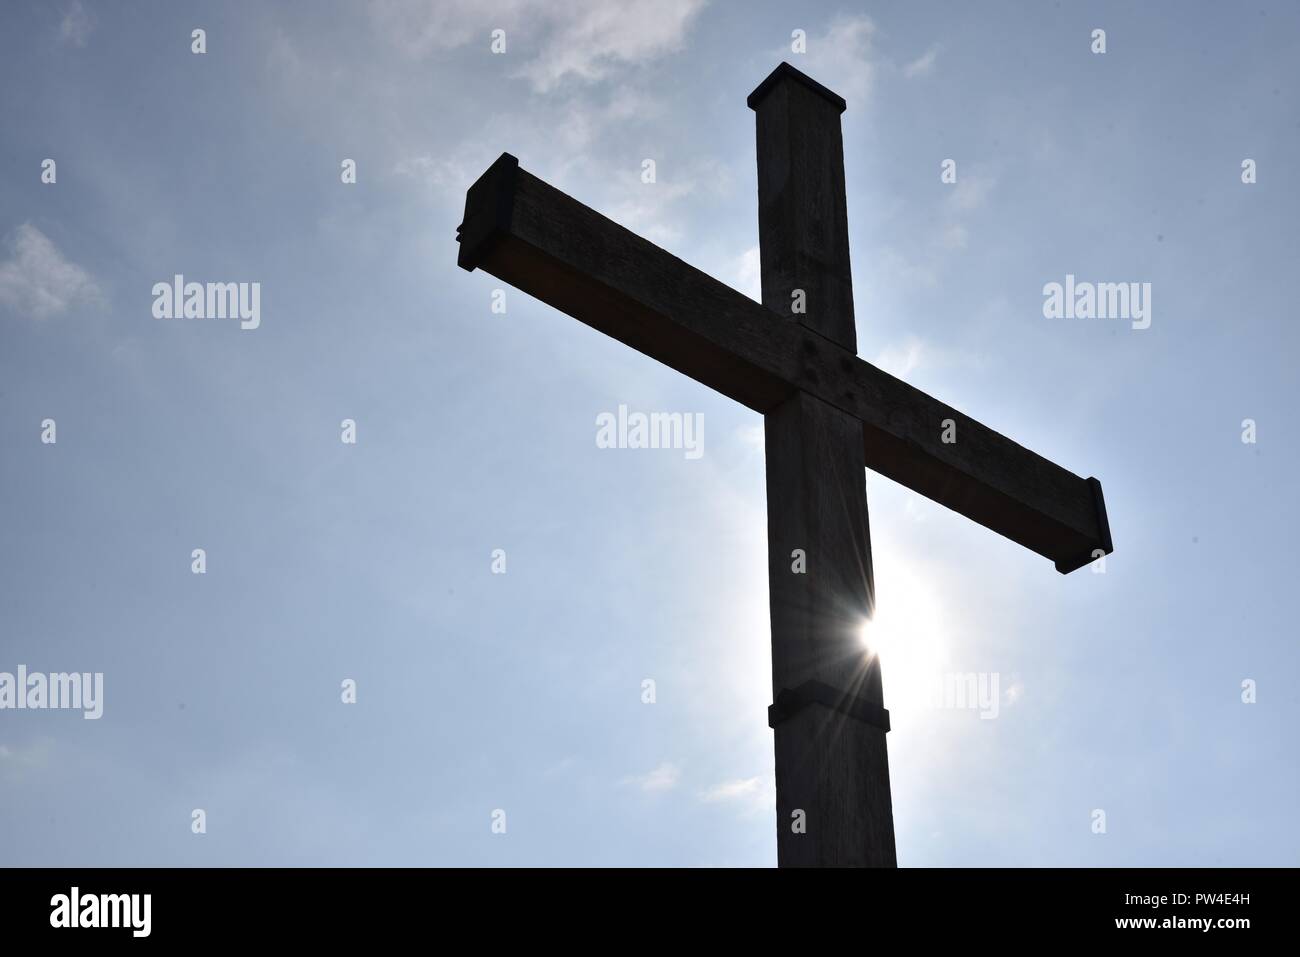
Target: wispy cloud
[(922, 65), (954, 236), (581, 39), (20, 760), (662, 778), (754, 794), (732, 790), (748, 273), (971, 190), (591, 36), (841, 57), (418, 27), (965, 197), (575, 125), (899, 360), (76, 26), (652, 209), (903, 270), (37, 280), (913, 353), (442, 175)]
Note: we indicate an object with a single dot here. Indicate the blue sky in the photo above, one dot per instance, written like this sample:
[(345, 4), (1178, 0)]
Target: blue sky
[(477, 691)]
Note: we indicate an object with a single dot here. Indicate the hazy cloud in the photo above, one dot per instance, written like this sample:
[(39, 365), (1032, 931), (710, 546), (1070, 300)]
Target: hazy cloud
[(662, 778), (922, 65), (732, 790), (970, 191), (954, 236), (748, 274), (753, 795), (584, 39), (841, 57), (19, 760), (37, 280), (76, 26), (899, 360)]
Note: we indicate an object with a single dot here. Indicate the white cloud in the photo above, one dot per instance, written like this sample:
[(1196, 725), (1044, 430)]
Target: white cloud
[(76, 26), (752, 437), (583, 39), (662, 778), (749, 274), (970, 191), (419, 26), (840, 58), (1015, 690), (591, 36), (732, 790), (903, 358), (19, 761), (652, 209), (37, 280), (899, 360), (898, 268), (563, 766), (922, 65), (954, 236), (751, 795), (644, 208), (629, 103), (440, 174), (567, 132)]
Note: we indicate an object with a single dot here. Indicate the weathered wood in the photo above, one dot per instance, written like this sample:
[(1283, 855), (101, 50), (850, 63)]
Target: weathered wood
[(544, 242), (830, 765), (847, 809), (803, 227), (817, 503), (827, 417)]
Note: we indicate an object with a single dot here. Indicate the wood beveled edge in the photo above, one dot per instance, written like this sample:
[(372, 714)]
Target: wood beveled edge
[(489, 204)]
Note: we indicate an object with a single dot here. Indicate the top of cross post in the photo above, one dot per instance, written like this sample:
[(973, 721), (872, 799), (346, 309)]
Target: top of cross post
[(785, 72)]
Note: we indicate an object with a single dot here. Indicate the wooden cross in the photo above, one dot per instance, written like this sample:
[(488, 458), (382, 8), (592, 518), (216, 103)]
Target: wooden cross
[(828, 415)]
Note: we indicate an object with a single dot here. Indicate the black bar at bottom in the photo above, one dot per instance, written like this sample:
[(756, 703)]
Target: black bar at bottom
[(335, 906)]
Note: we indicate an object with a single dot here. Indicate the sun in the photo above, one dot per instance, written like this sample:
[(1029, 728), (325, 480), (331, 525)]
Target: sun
[(907, 635)]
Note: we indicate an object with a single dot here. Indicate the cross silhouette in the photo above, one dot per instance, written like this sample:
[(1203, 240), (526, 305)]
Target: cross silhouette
[(828, 416)]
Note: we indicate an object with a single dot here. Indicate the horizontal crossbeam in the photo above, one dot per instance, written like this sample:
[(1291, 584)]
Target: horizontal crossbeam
[(544, 242)]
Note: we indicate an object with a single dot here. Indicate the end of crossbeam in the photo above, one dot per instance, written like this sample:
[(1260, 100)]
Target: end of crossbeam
[(489, 206), (1104, 545), (786, 73)]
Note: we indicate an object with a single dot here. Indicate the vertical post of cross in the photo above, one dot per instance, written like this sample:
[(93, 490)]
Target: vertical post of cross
[(829, 723)]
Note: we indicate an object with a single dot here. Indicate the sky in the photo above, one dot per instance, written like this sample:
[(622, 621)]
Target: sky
[(1159, 691)]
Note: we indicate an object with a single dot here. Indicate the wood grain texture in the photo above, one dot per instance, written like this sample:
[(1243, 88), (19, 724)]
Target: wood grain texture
[(802, 209), (832, 766), (817, 502), (828, 416), (848, 811)]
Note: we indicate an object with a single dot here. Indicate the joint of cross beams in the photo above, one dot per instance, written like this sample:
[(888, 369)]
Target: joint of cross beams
[(529, 234), (791, 701)]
